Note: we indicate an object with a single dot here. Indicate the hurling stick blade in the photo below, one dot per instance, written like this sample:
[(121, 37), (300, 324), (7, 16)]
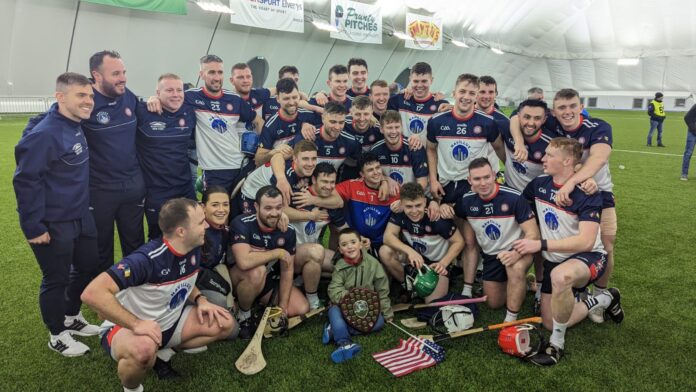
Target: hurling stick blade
[(413, 323), (252, 361)]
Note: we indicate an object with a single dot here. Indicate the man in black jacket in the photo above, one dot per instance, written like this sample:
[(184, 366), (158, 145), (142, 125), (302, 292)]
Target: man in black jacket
[(690, 120)]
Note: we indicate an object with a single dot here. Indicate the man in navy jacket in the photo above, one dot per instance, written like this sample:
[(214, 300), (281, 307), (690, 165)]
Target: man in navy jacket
[(51, 183)]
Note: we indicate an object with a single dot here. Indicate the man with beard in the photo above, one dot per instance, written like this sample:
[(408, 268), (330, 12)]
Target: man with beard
[(272, 106), (360, 125), (51, 184), (499, 216), (281, 128), (417, 110), (263, 260), (433, 243), (456, 138), (117, 188), (399, 162), (162, 143), (150, 302)]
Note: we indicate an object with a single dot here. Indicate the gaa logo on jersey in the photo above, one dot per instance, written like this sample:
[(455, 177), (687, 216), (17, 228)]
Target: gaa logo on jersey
[(77, 148), (492, 230), (219, 125), (460, 151), (396, 176), (281, 241), (519, 167), (477, 129), (310, 228), (128, 112), (416, 125), (551, 219), (103, 118)]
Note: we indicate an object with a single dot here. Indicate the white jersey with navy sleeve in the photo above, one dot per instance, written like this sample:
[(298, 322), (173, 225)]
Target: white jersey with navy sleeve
[(263, 175), (403, 165), (308, 232), (557, 223), (496, 220), (593, 131), (518, 175), (459, 141), (155, 281), (279, 129), (414, 113), (218, 136), (430, 239)]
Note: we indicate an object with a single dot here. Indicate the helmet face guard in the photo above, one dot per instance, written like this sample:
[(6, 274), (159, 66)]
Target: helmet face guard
[(277, 323), (424, 283)]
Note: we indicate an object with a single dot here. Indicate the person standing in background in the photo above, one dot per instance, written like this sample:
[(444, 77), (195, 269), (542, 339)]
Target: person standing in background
[(656, 111)]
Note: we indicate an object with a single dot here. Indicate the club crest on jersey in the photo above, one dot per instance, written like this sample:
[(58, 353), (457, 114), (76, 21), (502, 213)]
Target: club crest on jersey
[(551, 219), (538, 155), (416, 125), (77, 148), (281, 241), (103, 118), (179, 295), (460, 151), (182, 122), (519, 167), (158, 126), (310, 228), (342, 150), (396, 176), (370, 217), (433, 108), (253, 101), (428, 229), (492, 230), (504, 207), (419, 247), (405, 158), (477, 129), (193, 260), (581, 139), (128, 112), (219, 125), (229, 107)]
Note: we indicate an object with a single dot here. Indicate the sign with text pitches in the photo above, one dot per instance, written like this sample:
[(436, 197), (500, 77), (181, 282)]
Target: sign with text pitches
[(425, 31), (357, 22), (284, 15)]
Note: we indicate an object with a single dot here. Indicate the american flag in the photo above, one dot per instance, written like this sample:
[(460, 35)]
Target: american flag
[(409, 356)]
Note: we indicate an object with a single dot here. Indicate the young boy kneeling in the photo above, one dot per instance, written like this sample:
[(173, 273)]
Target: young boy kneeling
[(359, 269)]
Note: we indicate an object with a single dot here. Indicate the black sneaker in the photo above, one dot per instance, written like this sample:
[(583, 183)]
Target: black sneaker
[(165, 371), (247, 329), (548, 356), (614, 311), (661, 145)]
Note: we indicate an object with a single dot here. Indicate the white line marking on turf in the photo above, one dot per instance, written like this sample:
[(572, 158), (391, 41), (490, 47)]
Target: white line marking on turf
[(650, 153)]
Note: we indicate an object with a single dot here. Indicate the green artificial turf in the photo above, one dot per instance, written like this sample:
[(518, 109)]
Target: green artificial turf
[(653, 350)]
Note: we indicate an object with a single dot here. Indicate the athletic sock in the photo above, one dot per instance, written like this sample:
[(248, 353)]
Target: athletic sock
[(165, 354), (510, 316), (537, 294), (139, 388), (312, 297), (597, 290), (590, 302), (558, 334), (466, 290), (243, 315)]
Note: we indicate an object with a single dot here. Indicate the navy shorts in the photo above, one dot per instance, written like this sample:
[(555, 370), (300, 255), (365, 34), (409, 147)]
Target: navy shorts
[(167, 335), (245, 204), (595, 261), (272, 280), (226, 178), (454, 190), (608, 200), (493, 269)]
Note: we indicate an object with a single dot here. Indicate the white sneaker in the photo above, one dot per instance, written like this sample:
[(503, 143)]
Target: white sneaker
[(65, 345), (315, 304), (596, 313), (77, 325)]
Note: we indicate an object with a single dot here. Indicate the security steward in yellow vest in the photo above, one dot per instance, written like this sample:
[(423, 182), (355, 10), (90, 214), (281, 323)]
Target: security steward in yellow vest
[(656, 111)]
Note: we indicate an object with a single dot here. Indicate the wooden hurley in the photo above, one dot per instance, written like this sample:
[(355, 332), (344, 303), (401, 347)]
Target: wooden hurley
[(438, 338), (252, 361), (402, 307)]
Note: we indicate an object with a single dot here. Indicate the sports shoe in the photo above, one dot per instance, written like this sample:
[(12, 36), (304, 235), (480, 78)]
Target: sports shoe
[(64, 344), (195, 350), (547, 356), (77, 325), (661, 145), (164, 370), (614, 311), (345, 352), (684, 178), (326, 334), (315, 304), (247, 328)]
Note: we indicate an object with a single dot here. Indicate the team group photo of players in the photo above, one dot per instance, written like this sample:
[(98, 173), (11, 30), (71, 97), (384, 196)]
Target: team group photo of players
[(243, 211)]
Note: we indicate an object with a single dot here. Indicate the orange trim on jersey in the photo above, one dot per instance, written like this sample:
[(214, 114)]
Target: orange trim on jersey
[(430, 95), (579, 124), (459, 118), (401, 144), (171, 248), (495, 193), (287, 119), (209, 95), (534, 138)]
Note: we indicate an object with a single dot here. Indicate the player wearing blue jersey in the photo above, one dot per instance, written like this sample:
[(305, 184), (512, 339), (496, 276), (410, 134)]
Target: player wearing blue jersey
[(362, 126), (596, 137), (399, 162), (338, 85), (51, 183), (272, 106), (242, 82), (357, 72), (499, 215), (162, 142), (455, 138), (379, 94), (281, 128), (116, 183), (417, 110), (214, 277), (485, 102), (436, 243), (571, 245), (150, 302), (264, 258)]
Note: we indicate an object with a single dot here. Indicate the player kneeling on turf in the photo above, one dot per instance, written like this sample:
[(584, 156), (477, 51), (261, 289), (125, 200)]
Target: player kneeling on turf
[(571, 246), (435, 243), (356, 269), (149, 299)]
